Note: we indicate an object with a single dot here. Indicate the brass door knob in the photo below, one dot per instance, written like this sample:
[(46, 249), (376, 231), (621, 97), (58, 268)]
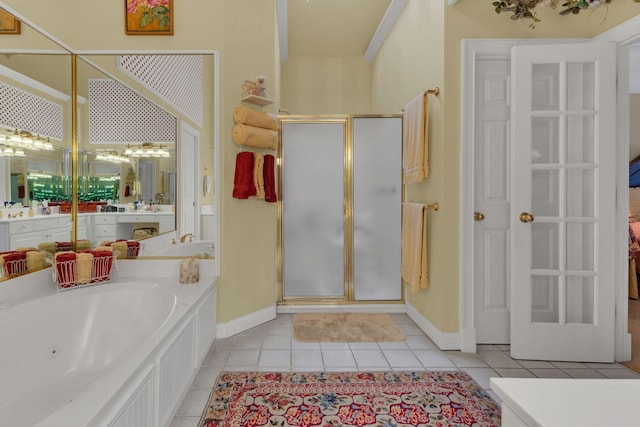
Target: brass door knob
[(526, 217), (478, 216)]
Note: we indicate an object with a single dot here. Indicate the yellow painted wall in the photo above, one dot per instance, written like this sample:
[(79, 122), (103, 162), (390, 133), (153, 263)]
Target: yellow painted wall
[(248, 227), (326, 85), (409, 62)]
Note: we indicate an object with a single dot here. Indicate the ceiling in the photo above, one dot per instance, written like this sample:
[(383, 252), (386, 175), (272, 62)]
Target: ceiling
[(332, 27)]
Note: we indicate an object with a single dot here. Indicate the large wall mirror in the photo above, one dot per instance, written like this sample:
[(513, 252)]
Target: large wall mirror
[(145, 140), (35, 145)]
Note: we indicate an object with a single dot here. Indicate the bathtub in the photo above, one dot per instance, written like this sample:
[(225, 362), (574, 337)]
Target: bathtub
[(90, 357)]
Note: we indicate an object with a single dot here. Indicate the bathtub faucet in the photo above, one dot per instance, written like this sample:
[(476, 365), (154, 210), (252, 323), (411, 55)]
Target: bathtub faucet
[(183, 238)]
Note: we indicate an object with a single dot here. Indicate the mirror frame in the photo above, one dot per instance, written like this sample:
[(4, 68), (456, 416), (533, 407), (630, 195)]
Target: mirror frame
[(75, 54)]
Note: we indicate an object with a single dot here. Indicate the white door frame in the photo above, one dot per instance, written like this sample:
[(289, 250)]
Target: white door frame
[(185, 128), (623, 35)]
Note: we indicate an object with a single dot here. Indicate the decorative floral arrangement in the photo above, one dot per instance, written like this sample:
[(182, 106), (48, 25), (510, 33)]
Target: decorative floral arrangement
[(526, 9), (149, 11)]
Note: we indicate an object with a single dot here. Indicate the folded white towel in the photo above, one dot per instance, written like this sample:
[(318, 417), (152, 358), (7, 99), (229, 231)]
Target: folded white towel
[(415, 145)]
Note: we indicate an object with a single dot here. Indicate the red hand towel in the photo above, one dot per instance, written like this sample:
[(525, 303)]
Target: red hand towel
[(65, 268), (15, 262), (133, 248), (269, 179), (64, 246), (102, 262), (243, 186)]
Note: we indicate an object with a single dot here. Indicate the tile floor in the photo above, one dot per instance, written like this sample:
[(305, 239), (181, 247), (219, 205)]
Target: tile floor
[(270, 347)]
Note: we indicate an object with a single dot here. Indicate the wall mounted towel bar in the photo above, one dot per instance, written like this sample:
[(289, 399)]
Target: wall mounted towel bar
[(435, 91), (434, 206)]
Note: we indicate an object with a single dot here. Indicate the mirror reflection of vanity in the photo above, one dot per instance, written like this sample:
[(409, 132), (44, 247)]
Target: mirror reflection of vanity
[(126, 156), (128, 143)]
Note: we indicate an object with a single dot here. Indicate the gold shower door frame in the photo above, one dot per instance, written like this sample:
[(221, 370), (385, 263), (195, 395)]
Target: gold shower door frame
[(349, 294)]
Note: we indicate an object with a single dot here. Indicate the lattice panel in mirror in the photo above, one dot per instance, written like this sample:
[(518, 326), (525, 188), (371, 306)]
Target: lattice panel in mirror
[(26, 111), (119, 115), (158, 73)]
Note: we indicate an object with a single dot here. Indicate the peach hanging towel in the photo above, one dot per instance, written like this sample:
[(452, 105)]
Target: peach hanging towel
[(415, 142), (414, 267)]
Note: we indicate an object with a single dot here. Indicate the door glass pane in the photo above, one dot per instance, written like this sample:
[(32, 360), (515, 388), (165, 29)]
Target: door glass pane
[(545, 93), (581, 85), (544, 246), (544, 140), (377, 208), (544, 195), (580, 300), (313, 217), (544, 299), (581, 139), (580, 246), (580, 192)]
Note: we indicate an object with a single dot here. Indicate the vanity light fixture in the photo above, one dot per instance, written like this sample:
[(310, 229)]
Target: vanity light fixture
[(15, 137), (112, 156), (26, 140), (10, 152), (147, 150)]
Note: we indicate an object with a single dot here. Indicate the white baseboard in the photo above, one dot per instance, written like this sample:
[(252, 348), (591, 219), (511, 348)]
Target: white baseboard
[(626, 356), (241, 324), (343, 308), (444, 340)]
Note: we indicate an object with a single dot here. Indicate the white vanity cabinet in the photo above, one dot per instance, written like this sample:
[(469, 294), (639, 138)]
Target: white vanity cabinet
[(121, 225), (103, 227), (30, 232)]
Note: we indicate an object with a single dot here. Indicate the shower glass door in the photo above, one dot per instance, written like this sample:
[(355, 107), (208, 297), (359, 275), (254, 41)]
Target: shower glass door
[(313, 209), (377, 206)]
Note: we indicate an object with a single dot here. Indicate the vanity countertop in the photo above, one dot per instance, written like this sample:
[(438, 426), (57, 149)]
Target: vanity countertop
[(135, 213), (25, 217)]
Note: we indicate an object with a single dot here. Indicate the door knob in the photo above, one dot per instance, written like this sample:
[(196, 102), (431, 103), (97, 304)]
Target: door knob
[(526, 217), (478, 216)]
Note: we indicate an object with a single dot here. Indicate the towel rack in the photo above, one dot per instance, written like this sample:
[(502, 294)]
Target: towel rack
[(435, 92), (435, 206)]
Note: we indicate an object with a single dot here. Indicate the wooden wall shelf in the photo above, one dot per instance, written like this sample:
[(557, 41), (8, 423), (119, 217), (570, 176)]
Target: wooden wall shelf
[(255, 99)]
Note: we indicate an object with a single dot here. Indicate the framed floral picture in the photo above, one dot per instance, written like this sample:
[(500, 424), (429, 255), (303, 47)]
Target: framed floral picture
[(8, 23), (148, 17)]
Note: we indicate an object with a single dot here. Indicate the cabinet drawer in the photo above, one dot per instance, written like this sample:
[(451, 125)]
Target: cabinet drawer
[(45, 224), (20, 227), (105, 231), (137, 218), (65, 221), (104, 219)]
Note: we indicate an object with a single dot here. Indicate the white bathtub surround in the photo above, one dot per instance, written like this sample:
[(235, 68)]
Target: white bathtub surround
[(122, 353), (197, 248), (556, 402)]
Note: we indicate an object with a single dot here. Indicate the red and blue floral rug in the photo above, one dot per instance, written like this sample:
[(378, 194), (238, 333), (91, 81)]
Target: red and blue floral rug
[(342, 399)]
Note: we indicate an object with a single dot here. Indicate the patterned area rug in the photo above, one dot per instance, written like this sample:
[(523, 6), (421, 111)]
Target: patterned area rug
[(383, 399)]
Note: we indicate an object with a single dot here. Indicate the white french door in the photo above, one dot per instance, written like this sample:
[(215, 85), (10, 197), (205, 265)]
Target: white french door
[(563, 202)]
